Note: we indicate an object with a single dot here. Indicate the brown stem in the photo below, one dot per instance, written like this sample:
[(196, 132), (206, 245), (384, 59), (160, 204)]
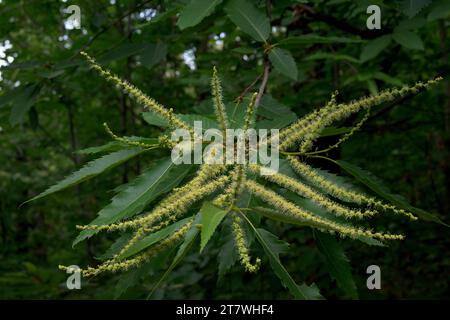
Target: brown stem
[(263, 85), (239, 98)]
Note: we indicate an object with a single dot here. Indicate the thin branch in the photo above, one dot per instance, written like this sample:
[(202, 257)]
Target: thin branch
[(263, 85), (239, 98)]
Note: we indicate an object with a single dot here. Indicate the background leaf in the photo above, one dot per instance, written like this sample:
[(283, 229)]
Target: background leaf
[(121, 52), (374, 47), (336, 262), (91, 169), (276, 115), (153, 54), (413, 7), (283, 61), (195, 11), (249, 19), (439, 10), (23, 99), (408, 40)]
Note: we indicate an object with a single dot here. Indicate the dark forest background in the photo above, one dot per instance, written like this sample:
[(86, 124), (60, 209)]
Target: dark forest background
[(52, 105)]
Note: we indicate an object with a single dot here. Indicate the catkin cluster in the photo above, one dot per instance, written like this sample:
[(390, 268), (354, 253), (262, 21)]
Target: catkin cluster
[(228, 183)]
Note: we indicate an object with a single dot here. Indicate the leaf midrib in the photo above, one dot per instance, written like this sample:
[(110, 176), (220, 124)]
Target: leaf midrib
[(250, 22)]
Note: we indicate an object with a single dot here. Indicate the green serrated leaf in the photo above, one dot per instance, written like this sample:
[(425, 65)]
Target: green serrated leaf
[(134, 196), (236, 113), (156, 120), (115, 247), (91, 169), (227, 256), (249, 19), (195, 11), (187, 244), (153, 54), (276, 245), (411, 24), (283, 61), (374, 47), (374, 184), (211, 216), (388, 79), (297, 291), (275, 113), (408, 39), (153, 238), (413, 7), (108, 147), (439, 10), (336, 262), (134, 277), (127, 281), (116, 145), (311, 291)]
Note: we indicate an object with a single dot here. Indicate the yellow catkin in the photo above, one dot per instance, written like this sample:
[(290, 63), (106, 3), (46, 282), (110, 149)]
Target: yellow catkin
[(315, 196), (238, 177), (114, 265), (242, 247), (287, 207), (137, 94), (127, 141), (165, 142), (171, 211), (238, 174), (304, 147), (298, 130), (223, 199), (309, 118), (205, 173), (341, 193), (219, 107), (249, 115)]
